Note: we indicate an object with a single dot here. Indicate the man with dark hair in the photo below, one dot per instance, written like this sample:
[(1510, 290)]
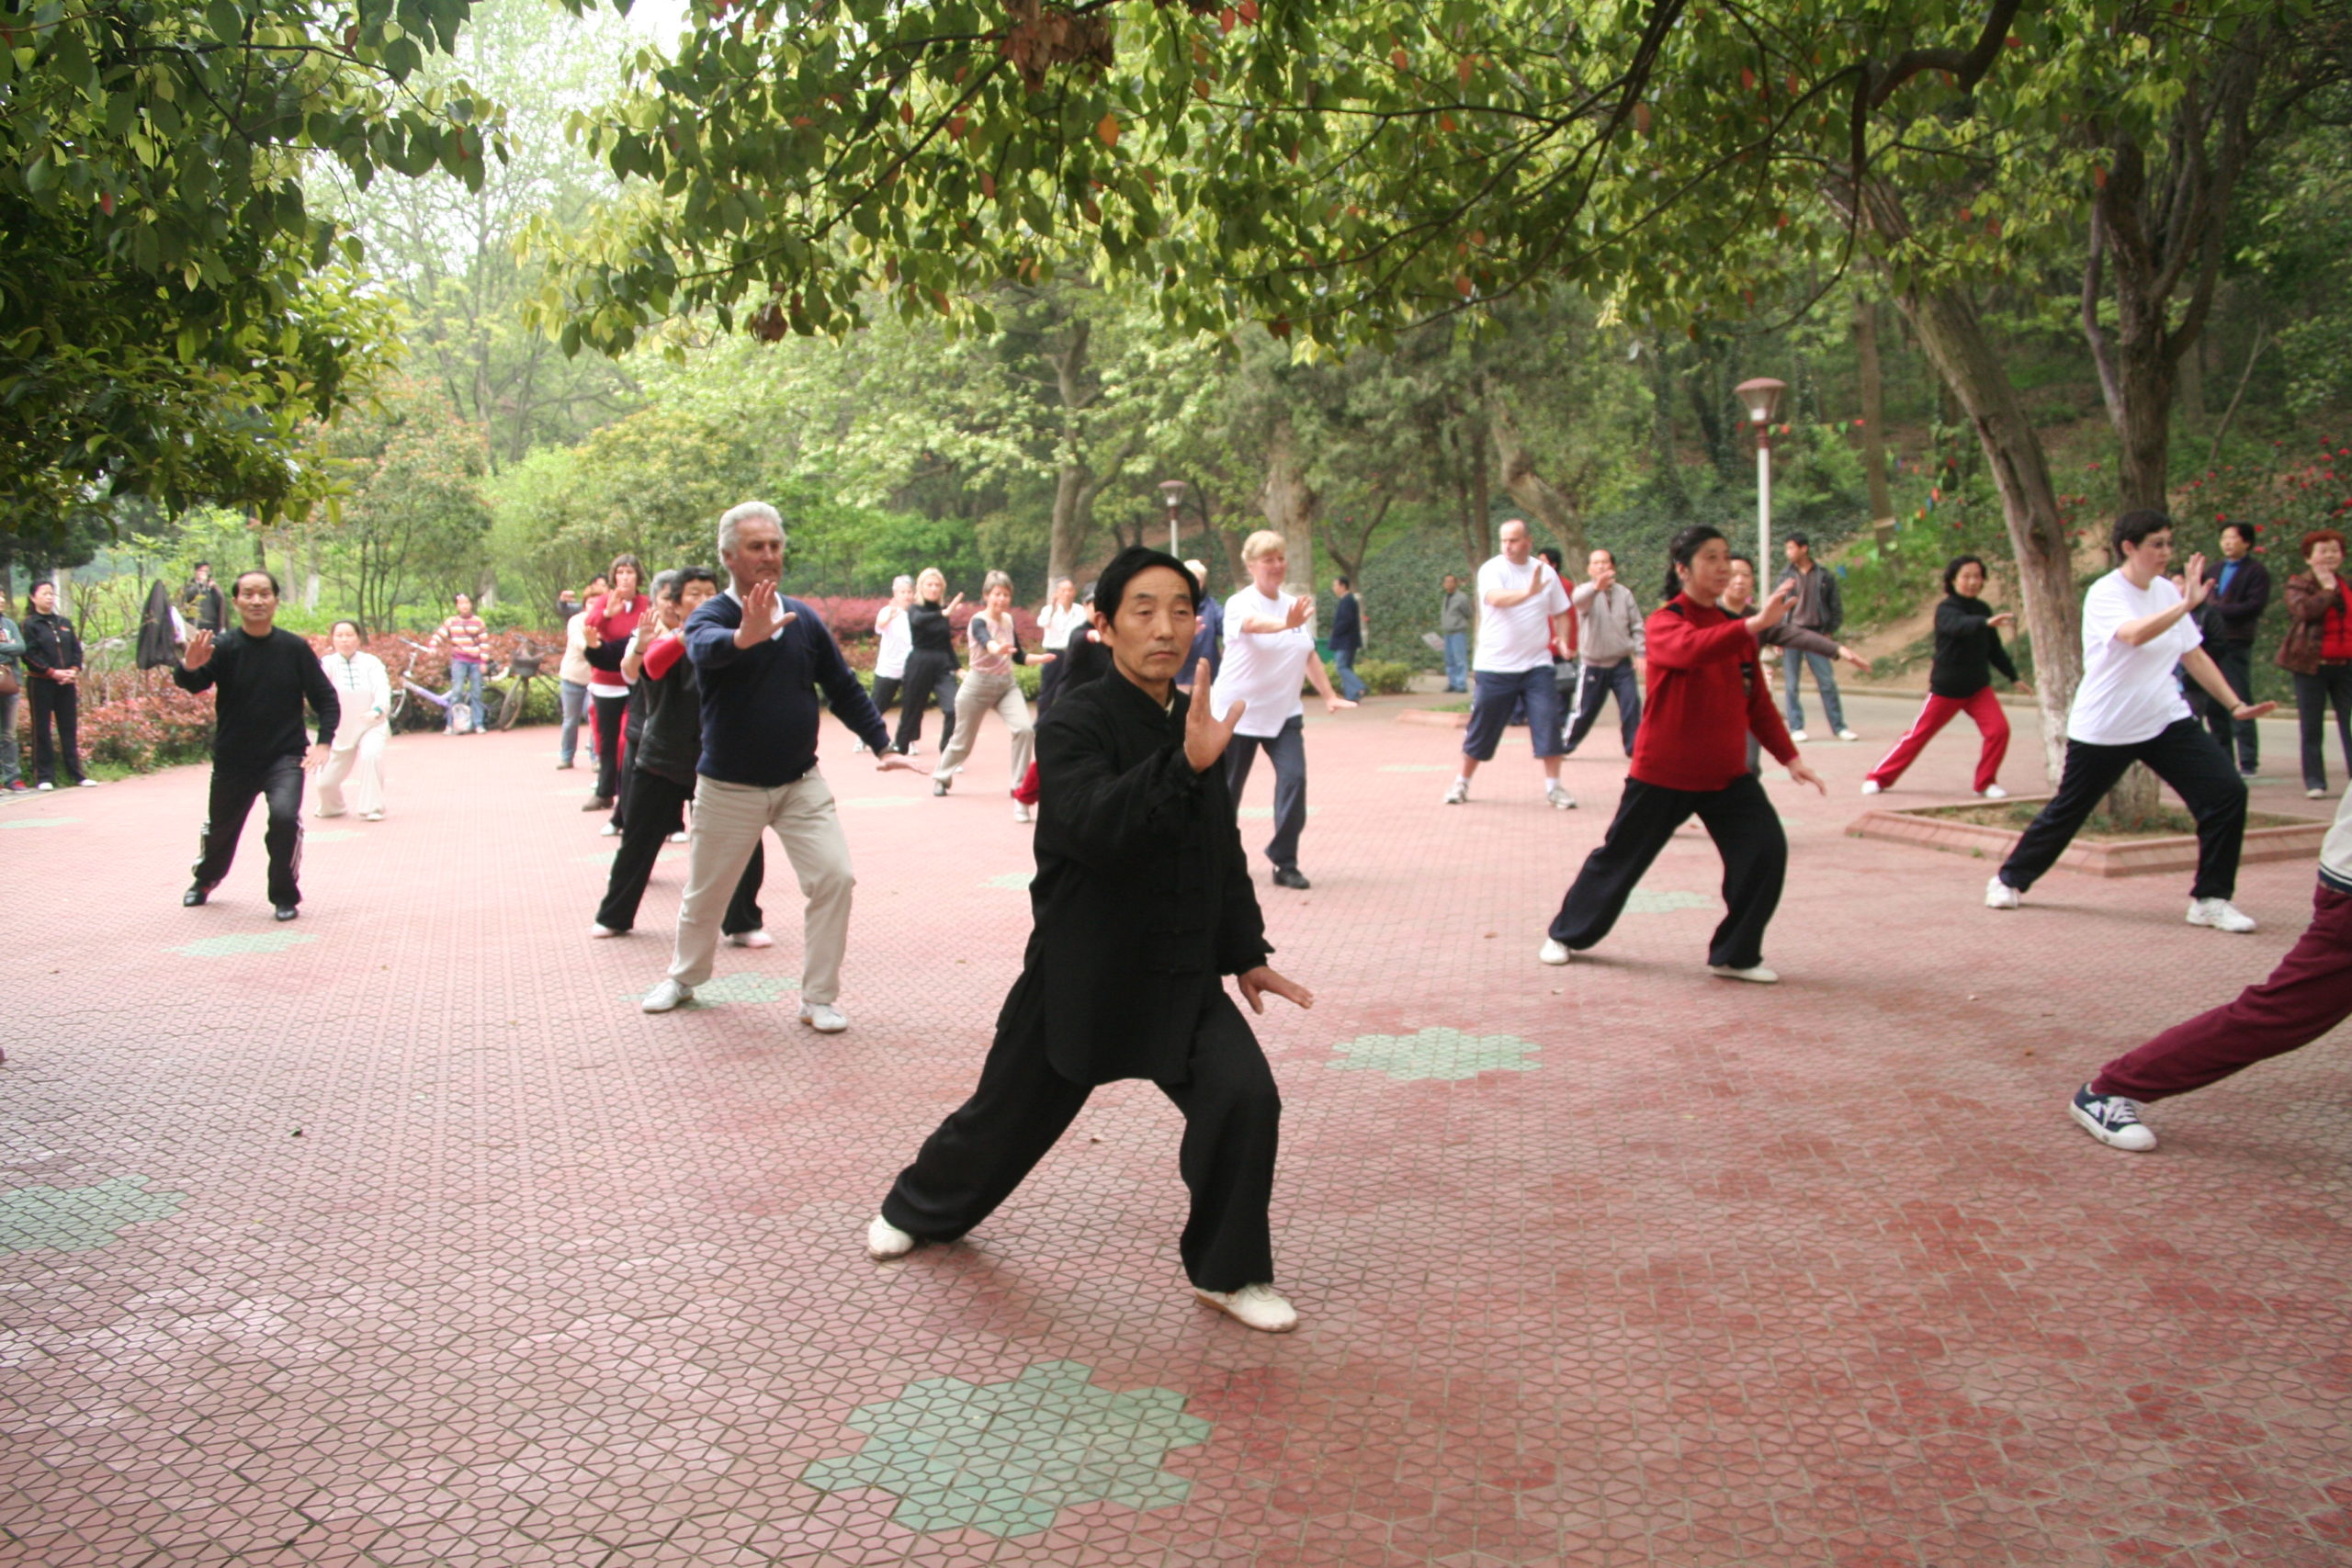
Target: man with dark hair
[(261, 677), (2241, 592), (1610, 645), (2129, 709), (1348, 635), (1455, 617), (1818, 608), (1136, 853), (200, 601)]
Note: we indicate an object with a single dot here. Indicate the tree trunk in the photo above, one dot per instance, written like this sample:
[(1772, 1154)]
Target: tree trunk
[(1873, 424), (1537, 495), (1290, 503), (1071, 496)]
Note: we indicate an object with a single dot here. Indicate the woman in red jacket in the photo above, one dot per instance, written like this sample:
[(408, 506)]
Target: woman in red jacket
[(1706, 695), (611, 620)]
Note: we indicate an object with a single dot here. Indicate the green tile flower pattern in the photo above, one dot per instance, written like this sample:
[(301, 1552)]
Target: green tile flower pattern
[(1011, 881), (1448, 1055), (1645, 902), (242, 943), (80, 1219), (740, 987), (1005, 1458)]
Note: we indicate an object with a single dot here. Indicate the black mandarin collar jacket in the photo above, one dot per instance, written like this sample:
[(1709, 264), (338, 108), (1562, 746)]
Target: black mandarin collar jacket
[(1142, 895)]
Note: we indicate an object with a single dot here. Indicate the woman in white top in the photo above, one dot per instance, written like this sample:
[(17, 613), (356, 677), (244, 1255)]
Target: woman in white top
[(1061, 615), (990, 683), (891, 623), (572, 676), (364, 689)]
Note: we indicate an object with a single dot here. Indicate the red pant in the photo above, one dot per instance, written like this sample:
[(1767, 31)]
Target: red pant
[(2309, 994), (1983, 708)]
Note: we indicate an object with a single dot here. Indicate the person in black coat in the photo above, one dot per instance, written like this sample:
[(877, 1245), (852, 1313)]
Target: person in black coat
[(930, 663), (53, 676), (1143, 905), (1959, 679), (261, 677), (2241, 592)]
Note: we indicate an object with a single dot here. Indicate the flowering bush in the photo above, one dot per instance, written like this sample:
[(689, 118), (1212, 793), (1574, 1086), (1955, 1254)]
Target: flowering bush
[(137, 719), (851, 619)]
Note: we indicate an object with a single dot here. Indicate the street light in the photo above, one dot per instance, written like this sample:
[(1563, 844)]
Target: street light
[(1760, 397), (1173, 490)]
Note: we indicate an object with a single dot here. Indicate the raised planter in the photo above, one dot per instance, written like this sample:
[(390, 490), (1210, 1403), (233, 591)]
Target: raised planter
[(2123, 857)]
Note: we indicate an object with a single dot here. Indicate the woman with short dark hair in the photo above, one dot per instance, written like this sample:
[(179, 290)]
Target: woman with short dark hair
[(364, 688), (1959, 679), (612, 618), (2317, 652)]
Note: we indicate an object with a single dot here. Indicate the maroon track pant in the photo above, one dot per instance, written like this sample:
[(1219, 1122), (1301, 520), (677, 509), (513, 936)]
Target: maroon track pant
[(2309, 994), (1983, 708)]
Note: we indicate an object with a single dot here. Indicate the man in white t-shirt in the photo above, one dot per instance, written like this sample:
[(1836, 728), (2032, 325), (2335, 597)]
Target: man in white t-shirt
[(2136, 628), (898, 640), (1522, 606), (1269, 649)]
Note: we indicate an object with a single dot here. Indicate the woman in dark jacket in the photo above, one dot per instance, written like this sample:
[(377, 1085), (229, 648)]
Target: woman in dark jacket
[(54, 670), (930, 667), (1959, 679), (2317, 652)]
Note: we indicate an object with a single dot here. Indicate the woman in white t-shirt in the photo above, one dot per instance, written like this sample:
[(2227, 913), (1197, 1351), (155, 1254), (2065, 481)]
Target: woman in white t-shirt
[(1269, 649), (2136, 629), (898, 640), (1061, 615)]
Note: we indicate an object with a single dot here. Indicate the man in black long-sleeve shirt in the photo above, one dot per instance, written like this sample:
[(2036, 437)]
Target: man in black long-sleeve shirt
[(1143, 906), (261, 677), (2241, 592)]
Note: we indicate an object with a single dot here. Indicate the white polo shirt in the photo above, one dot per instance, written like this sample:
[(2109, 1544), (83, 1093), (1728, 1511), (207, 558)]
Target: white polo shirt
[(1264, 669), (897, 641), (1518, 638), (2127, 693)]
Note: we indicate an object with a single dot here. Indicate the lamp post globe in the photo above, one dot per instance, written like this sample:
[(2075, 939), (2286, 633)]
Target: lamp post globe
[(1760, 397), (1172, 491)]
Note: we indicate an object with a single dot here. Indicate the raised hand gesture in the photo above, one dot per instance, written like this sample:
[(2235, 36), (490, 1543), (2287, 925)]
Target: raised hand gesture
[(1262, 981), (1301, 610), (198, 653), (1205, 738), (1770, 613), (2193, 586), (2006, 619), (2254, 710), (762, 616)]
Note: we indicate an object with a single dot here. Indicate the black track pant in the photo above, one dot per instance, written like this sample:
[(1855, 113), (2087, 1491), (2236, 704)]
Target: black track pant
[(277, 781), (930, 677), (2182, 755), (1746, 830), (657, 808), (610, 713), (1232, 1114)]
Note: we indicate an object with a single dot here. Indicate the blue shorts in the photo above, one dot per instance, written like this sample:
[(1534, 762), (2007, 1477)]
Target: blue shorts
[(1498, 695)]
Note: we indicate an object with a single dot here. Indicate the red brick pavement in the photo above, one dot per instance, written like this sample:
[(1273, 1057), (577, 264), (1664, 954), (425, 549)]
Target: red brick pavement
[(432, 1248)]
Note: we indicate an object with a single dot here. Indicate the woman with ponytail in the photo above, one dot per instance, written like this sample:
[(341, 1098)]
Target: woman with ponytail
[(1706, 695)]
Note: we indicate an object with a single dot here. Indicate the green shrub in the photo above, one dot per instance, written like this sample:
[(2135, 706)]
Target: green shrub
[(1385, 677)]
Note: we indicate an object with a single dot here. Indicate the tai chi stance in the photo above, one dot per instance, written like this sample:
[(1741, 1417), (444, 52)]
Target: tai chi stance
[(1707, 691), (1143, 905), (1609, 651), (2136, 626), (2309, 994), (760, 657), (363, 688), (989, 686), (930, 662), (1526, 608), (1959, 679), (261, 677)]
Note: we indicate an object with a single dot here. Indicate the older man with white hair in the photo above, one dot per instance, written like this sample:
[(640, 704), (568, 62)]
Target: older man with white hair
[(760, 657)]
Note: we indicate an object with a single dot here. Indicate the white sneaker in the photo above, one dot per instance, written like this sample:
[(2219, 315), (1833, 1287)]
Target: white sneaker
[(1260, 1307), (1553, 952), (1848, 735), (823, 1017), (915, 750), (50, 786), (2112, 1120), (885, 1241), (372, 817), (750, 938), (1455, 792), (2220, 914), (1798, 736), (666, 995), (1993, 792), (1758, 975), (1020, 812), (598, 932), (1559, 799), (680, 837), (1999, 895), (1872, 786), (610, 831), (2308, 795), (858, 749)]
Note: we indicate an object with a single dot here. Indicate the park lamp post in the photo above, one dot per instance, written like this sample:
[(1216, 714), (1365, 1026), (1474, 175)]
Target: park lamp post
[(1760, 397), (1172, 491)]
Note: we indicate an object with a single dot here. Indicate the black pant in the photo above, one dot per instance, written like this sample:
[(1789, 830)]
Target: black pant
[(611, 713), (2314, 694), (279, 782), (885, 692), (1232, 1116), (2236, 663), (930, 677), (65, 703), (1595, 683), (1746, 832), (1286, 749), (2182, 755), (1049, 681), (657, 808)]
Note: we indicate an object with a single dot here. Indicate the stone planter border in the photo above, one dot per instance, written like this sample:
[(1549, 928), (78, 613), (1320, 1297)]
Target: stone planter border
[(2129, 857)]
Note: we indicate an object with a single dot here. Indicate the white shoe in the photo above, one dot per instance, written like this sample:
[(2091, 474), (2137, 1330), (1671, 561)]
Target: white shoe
[(1260, 1307), (609, 832), (680, 837), (2308, 795), (1559, 799), (2220, 914), (1798, 736), (914, 751), (1993, 792), (599, 932), (1020, 812), (2112, 1118), (1872, 786), (666, 995), (823, 1017), (1999, 895), (1758, 975), (372, 817), (1553, 952), (1455, 792), (885, 1241), (858, 749), (1848, 735), (750, 938), (50, 786)]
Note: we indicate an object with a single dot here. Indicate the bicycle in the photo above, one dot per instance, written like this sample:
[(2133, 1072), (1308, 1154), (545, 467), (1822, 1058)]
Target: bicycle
[(503, 703)]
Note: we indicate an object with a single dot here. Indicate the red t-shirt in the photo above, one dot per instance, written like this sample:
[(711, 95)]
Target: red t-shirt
[(2336, 639), (1707, 693), (616, 619)]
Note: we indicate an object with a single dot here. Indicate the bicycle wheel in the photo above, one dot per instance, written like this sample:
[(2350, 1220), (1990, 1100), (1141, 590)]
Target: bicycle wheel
[(511, 709)]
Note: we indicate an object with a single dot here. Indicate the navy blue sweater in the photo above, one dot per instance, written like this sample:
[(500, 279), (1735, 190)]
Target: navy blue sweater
[(759, 704)]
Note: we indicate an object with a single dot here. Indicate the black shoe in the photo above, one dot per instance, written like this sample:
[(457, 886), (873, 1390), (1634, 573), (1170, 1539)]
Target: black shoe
[(195, 895), (1291, 877), (288, 912), (939, 786)]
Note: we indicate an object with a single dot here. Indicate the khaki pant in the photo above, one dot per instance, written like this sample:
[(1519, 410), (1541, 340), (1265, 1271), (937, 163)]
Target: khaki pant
[(729, 819), (977, 695)]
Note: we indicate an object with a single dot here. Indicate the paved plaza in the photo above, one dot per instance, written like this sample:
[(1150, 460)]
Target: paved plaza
[(400, 1236)]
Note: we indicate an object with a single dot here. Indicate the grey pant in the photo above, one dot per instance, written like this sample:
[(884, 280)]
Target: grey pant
[(1287, 750), (11, 758), (980, 694)]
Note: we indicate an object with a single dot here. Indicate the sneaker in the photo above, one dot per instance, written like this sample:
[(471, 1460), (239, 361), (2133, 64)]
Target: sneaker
[(823, 1017), (1554, 952), (195, 895), (597, 803), (50, 786), (1798, 736), (885, 1241), (1455, 792), (609, 830), (1291, 877), (371, 816), (667, 995), (285, 912), (1848, 735), (1757, 975), (750, 938), (680, 837), (1872, 786), (1260, 1307), (564, 766), (2220, 914), (914, 750), (2308, 795), (858, 749), (598, 932), (2249, 773), (2112, 1120), (1999, 895), (1558, 799), (1993, 792), (1021, 812), (939, 786)]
